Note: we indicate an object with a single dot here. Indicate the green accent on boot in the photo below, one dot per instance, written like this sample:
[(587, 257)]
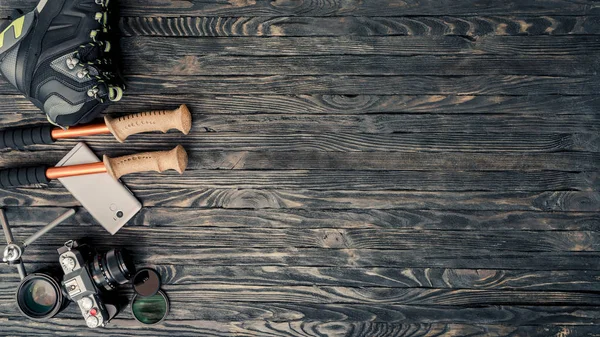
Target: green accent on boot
[(17, 26)]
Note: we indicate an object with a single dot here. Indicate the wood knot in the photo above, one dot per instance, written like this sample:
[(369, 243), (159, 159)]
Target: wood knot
[(332, 238)]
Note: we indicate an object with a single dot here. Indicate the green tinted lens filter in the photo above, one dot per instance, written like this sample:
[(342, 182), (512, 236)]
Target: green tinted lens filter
[(150, 309)]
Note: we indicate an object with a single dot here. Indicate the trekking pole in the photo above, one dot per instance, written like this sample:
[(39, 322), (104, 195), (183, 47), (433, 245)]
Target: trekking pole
[(120, 127), (159, 161)]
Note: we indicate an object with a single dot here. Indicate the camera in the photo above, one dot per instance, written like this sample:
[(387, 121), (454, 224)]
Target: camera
[(87, 275)]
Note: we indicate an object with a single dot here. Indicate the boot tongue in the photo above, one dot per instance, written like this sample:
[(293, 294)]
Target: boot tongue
[(89, 52)]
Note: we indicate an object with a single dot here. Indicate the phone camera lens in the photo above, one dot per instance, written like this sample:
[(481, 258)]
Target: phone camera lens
[(119, 214)]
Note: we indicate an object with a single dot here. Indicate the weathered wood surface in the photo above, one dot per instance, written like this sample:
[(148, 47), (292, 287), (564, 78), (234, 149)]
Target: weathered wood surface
[(467, 26), (18, 108), (357, 168), (519, 85), (313, 328), (342, 8)]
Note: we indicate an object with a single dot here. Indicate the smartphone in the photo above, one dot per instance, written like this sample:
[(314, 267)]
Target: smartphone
[(105, 198)]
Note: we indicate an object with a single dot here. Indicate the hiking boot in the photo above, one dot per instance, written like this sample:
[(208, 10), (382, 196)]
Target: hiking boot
[(59, 56)]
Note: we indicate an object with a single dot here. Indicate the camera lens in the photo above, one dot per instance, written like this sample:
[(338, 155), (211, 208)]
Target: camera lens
[(39, 296), (111, 269)]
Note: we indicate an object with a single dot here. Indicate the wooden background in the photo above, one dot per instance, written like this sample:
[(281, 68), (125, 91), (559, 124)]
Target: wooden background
[(357, 168)]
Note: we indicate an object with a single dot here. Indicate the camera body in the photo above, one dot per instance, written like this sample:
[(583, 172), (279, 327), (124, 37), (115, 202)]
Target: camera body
[(87, 275), (81, 284)]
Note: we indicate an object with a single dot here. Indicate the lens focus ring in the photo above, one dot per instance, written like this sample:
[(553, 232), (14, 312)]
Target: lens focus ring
[(111, 269), (117, 267)]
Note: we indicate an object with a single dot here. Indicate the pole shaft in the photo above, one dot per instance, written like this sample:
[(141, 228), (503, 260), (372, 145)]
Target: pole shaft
[(75, 170), (80, 131)]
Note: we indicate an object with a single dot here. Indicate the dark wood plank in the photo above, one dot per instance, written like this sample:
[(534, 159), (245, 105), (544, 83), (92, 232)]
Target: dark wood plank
[(371, 180), (338, 8), (260, 328), (425, 278), (468, 26), (310, 199), (507, 46), (17, 109), (353, 8), (228, 293), (346, 142), (338, 219), (372, 313), (418, 258), (175, 64), (375, 123), (337, 238), (357, 85), (364, 295), (383, 277), (311, 46), (419, 220), (319, 160), (386, 123), (290, 26)]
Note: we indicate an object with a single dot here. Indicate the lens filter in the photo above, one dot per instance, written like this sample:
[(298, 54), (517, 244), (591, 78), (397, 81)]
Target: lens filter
[(146, 282), (150, 309), (149, 305), (39, 296)]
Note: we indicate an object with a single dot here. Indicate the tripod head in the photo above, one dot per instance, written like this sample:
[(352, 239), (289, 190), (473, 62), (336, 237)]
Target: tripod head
[(14, 250)]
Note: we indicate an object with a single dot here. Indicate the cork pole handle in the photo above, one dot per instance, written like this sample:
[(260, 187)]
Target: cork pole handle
[(159, 161), (165, 120)]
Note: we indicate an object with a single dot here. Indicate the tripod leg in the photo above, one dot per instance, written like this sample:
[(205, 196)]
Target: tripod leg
[(48, 227), (7, 232)]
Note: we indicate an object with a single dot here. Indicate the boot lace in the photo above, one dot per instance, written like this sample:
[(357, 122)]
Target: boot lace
[(94, 61)]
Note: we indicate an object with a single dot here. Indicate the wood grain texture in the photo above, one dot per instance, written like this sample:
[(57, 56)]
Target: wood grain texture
[(357, 85), (336, 238), (423, 278), (357, 168), (340, 26), (372, 313), (299, 329), (372, 180), (19, 110), (348, 142), (380, 123), (199, 65), (308, 199), (507, 46), (353, 160), (188, 218), (339, 7), (470, 26), (186, 254), (185, 294)]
